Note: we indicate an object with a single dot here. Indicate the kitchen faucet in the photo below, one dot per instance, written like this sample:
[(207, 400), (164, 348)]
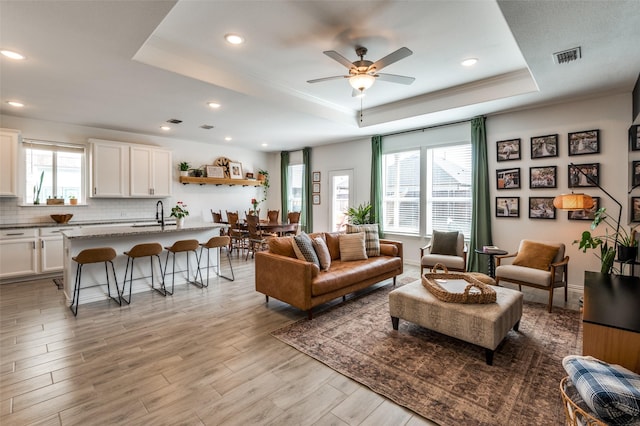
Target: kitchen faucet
[(161, 218)]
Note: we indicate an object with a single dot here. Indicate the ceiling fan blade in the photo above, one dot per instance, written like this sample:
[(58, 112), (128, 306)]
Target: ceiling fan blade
[(393, 78), (335, 77), (338, 57), (401, 53)]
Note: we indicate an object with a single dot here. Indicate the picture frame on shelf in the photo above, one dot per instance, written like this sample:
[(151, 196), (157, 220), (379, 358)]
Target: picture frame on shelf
[(635, 209), (579, 180), (315, 177), (215, 172), (508, 178), (584, 142), (508, 150), (544, 146), (542, 177), (316, 198), (507, 206), (634, 138), (585, 214), (541, 208), (235, 170), (316, 188)]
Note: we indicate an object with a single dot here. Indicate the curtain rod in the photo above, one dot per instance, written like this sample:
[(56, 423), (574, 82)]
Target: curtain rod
[(435, 126)]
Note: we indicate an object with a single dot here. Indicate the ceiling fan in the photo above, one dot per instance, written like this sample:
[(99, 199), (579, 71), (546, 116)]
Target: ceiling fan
[(363, 73)]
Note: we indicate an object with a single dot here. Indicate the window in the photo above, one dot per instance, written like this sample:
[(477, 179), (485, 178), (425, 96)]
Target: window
[(294, 197), (63, 167), (341, 197), (445, 174)]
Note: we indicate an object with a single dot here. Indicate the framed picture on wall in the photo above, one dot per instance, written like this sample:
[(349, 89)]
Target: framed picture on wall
[(508, 178), (508, 150), (584, 175), (542, 177), (635, 209), (315, 177), (541, 208), (584, 142), (634, 138), (316, 198), (507, 206), (316, 188), (635, 168), (586, 214), (544, 146)]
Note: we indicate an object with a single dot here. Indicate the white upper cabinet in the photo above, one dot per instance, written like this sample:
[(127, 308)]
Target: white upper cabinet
[(9, 140), (121, 170)]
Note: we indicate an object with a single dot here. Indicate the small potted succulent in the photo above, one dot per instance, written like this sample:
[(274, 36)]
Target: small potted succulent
[(73, 200), (184, 168)]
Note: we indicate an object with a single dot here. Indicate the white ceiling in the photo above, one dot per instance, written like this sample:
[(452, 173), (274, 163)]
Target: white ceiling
[(131, 65)]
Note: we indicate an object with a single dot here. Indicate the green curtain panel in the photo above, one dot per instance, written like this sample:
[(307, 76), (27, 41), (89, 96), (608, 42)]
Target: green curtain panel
[(376, 181), (481, 215), (307, 207), (284, 184)]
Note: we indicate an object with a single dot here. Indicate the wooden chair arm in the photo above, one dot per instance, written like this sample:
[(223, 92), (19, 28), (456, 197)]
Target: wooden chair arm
[(422, 249), (504, 256), (563, 262)]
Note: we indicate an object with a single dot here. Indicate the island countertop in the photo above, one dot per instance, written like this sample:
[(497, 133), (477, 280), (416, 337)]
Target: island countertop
[(139, 229)]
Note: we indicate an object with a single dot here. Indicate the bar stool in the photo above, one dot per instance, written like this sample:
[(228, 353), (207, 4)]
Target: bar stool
[(150, 250), (94, 255), (216, 243), (182, 246)]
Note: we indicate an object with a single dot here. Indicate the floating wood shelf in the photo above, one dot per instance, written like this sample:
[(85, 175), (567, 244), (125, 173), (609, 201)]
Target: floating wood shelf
[(218, 181)]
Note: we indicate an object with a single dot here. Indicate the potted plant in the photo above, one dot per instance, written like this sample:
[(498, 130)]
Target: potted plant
[(359, 215), (179, 211), (198, 172), (73, 200), (263, 175), (184, 168), (36, 190)]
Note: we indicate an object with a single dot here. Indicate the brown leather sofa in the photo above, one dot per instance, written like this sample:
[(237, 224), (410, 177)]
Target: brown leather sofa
[(302, 284)]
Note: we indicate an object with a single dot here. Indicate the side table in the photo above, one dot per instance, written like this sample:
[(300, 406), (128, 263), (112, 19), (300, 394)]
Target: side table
[(492, 262)]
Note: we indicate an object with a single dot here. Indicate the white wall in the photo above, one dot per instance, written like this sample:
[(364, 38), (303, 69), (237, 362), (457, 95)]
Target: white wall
[(200, 199)]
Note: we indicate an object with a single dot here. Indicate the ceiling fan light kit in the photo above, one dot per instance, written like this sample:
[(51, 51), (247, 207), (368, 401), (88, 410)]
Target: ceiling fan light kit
[(361, 82)]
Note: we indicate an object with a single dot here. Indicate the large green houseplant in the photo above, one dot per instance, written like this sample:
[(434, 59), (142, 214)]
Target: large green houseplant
[(359, 215)]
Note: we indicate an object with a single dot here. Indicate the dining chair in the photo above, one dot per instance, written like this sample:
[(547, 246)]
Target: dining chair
[(256, 240), (236, 233), (217, 218), (273, 215), (293, 217)]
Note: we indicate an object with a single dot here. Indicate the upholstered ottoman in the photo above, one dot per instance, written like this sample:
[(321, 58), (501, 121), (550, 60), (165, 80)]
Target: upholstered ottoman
[(481, 324)]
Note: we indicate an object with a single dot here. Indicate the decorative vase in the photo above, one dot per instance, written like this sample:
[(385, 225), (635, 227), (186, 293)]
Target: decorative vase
[(180, 222), (626, 253)]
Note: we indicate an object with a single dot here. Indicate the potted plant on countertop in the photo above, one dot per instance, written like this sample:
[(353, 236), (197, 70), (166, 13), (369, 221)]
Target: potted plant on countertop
[(179, 211), (73, 200), (184, 168)]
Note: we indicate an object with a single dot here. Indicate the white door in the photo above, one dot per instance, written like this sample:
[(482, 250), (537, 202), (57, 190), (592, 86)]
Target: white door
[(341, 194)]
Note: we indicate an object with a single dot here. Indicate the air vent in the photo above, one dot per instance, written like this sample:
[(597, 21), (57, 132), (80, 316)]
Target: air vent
[(206, 126), (174, 121), (566, 56)]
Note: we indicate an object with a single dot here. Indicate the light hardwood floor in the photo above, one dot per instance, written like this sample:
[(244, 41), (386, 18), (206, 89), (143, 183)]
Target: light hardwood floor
[(199, 357)]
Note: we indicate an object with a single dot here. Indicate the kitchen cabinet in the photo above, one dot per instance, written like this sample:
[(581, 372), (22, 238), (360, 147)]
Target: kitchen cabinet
[(50, 244), (109, 169), (150, 172), (18, 252), (9, 140)]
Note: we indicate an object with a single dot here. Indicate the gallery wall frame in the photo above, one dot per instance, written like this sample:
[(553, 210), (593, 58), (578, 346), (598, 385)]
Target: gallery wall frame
[(315, 177), (315, 198), (544, 146), (634, 138), (586, 214), (315, 187), (542, 177), (584, 142), (580, 180), (507, 206), (508, 178), (508, 150), (635, 209), (541, 208), (635, 173)]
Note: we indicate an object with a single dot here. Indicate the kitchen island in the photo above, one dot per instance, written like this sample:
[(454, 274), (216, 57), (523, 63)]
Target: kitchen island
[(121, 239)]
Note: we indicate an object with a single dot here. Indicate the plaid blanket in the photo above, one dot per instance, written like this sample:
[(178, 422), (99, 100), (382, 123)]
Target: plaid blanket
[(611, 391)]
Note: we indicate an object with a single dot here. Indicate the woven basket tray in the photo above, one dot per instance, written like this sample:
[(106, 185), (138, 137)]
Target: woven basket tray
[(429, 281)]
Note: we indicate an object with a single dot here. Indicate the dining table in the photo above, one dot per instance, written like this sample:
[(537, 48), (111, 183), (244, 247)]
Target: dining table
[(279, 228)]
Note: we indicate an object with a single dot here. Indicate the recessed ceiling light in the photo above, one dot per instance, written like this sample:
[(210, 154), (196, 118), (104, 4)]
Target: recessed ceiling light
[(15, 104), (13, 55), (265, 144), (228, 138), (469, 62), (234, 39), (165, 128), (214, 105)]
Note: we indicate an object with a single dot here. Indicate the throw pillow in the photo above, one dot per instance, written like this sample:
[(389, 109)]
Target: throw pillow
[(333, 243), (352, 247), (323, 253), (282, 246), (303, 247), (372, 238), (611, 391), (535, 255), (444, 243)]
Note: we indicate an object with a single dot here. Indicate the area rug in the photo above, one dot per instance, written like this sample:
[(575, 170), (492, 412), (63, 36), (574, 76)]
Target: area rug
[(440, 378)]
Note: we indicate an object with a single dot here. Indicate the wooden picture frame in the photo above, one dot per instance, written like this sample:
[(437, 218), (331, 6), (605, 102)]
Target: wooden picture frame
[(584, 142), (315, 188), (507, 206), (316, 198), (542, 177), (635, 173), (541, 208), (235, 170), (215, 172), (315, 177), (508, 150), (585, 214), (508, 178), (579, 180), (635, 209), (634, 138), (544, 146)]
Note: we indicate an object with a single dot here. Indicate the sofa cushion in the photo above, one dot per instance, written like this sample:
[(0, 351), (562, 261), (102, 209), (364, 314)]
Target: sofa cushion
[(388, 250), (333, 243), (323, 253), (372, 237), (535, 255), (303, 247), (343, 274), (444, 243), (611, 391), (282, 246), (352, 247), (523, 273)]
